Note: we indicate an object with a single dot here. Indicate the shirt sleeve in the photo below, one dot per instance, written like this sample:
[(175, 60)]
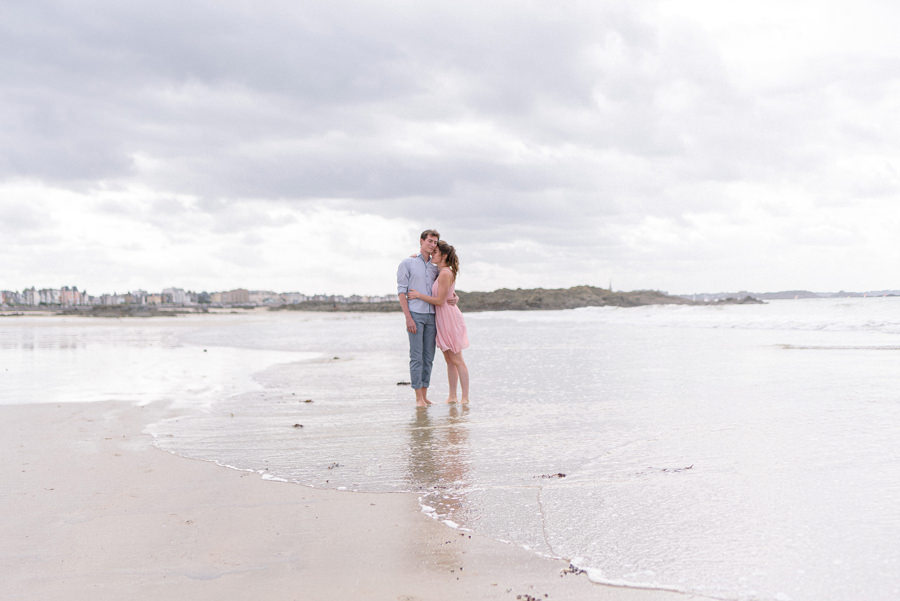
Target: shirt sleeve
[(403, 278)]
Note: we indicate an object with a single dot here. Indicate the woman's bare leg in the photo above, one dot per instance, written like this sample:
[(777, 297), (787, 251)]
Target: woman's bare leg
[(456, 359), (452, 376), (463, 371)]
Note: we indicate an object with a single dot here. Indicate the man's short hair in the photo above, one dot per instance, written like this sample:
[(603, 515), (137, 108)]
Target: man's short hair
[(427, 233)]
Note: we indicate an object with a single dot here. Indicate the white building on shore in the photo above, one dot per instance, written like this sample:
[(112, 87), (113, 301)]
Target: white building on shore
[(175, 296)]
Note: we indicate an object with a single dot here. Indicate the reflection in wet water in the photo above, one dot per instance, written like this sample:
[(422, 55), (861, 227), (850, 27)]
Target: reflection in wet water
[(60, 333), (33, 342), (58, 359), (439, 456)]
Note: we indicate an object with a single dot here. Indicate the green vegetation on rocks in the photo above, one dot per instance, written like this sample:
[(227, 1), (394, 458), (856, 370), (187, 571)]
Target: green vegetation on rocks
[(562, 298), (531, 299)]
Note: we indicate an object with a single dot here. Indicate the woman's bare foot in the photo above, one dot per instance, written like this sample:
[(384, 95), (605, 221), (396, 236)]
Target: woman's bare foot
[(465, 401), (451, 400)]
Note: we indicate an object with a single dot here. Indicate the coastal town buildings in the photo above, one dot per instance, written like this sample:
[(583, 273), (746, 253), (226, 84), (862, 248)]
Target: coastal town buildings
[(33, 297), (71, 296)]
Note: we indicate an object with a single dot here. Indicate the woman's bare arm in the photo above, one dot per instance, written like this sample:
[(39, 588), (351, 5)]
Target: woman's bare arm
[(443, 290)]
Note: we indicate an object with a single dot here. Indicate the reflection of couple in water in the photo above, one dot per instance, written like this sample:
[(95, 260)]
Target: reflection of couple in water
[(435, 318), (438, 460)]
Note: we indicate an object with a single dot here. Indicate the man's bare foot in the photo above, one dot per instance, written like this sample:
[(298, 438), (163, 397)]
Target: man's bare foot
[(422, 398), (451, 400)]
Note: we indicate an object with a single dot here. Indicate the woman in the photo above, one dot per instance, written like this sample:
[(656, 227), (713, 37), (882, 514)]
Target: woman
[(451, 328)]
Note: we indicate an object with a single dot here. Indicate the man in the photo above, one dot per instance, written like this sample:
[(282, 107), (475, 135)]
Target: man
[(418, 273)]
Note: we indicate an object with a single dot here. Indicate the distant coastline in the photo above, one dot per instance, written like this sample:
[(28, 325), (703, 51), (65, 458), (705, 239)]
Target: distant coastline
[(530, 299), (504, 299)]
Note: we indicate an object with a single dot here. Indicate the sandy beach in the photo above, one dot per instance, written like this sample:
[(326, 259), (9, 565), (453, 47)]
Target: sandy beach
[(92, 510)]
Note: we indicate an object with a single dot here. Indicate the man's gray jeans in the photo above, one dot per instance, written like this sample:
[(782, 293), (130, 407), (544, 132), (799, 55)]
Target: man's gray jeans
[(421, 349)]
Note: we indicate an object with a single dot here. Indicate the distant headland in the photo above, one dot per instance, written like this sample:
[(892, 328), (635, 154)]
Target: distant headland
[(532, 299)]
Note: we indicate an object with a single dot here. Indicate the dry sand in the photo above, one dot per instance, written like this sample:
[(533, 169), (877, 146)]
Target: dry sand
[(89, 509)]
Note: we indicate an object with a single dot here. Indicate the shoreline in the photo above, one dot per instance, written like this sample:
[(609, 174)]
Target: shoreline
[(93, 510), (503, 299)]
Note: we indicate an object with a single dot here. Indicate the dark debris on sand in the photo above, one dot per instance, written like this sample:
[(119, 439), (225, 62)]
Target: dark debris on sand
[(672, 470), (571, 570)]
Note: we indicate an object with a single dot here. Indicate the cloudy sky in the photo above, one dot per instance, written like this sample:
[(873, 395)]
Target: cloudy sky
[(682, 145)]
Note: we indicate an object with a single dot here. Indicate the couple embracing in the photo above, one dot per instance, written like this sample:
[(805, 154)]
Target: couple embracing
[(426, 286)]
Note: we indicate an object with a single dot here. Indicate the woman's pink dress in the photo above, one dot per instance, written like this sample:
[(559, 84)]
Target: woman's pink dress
[(451, 328)]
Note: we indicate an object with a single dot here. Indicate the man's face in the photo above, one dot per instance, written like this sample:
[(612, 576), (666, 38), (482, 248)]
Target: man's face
[(428, 244)]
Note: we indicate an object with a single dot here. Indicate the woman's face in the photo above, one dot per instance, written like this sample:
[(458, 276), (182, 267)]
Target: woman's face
[(437, 257)]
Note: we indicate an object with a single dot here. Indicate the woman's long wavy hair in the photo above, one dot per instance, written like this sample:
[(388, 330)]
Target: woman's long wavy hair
[(449, 254)]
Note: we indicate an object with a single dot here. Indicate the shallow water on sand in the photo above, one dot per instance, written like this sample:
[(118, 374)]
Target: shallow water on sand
[(738, 451)]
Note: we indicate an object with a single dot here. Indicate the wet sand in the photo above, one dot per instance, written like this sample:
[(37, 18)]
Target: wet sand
[(89, 509)]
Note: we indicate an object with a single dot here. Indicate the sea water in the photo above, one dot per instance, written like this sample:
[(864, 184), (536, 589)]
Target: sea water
[(737, 451)]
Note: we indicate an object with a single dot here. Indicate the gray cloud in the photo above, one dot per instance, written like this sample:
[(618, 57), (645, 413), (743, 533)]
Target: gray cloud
[(301, 102), (498, 122), (21, 223)]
